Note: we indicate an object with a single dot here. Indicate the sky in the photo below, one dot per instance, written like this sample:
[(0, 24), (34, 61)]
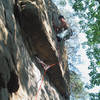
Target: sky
[(83, 63), (67, 11)]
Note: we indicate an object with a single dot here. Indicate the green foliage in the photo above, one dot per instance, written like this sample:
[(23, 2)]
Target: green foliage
[(78, 5), (89, 11), (98, 1), (77, 86), (63, 2), (95, 96)]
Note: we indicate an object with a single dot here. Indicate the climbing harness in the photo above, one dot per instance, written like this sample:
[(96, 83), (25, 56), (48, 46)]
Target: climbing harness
[(46, 67)]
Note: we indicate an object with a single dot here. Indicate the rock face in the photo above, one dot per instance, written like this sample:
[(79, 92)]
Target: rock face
[(26, 32)]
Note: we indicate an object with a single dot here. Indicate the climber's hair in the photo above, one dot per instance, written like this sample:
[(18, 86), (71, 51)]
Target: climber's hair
[(61, 16)]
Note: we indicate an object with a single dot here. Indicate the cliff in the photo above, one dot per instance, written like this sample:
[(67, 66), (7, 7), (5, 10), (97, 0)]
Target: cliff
[(26, 35)]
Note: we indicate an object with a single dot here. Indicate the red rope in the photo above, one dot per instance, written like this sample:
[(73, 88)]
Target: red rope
[(46, 67), (40, 85), (49, 66)]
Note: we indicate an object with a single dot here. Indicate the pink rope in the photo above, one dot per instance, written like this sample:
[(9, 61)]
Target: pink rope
[(46, 67)]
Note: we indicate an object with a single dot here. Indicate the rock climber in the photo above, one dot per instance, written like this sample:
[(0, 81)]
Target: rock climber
[(63, 26), (63, 23)]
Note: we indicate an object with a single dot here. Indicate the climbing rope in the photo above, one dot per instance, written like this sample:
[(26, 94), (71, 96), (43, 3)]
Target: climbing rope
[(40, 85), (46, 67)]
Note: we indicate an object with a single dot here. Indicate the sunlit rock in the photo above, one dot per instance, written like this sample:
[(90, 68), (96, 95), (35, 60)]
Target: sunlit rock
[(25, 35)]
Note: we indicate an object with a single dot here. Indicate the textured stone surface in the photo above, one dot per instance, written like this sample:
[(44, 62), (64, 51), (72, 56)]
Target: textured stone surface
[(23, 35)]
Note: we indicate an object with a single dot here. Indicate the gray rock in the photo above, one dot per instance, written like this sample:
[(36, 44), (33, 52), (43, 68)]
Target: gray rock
[(23, 36)]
